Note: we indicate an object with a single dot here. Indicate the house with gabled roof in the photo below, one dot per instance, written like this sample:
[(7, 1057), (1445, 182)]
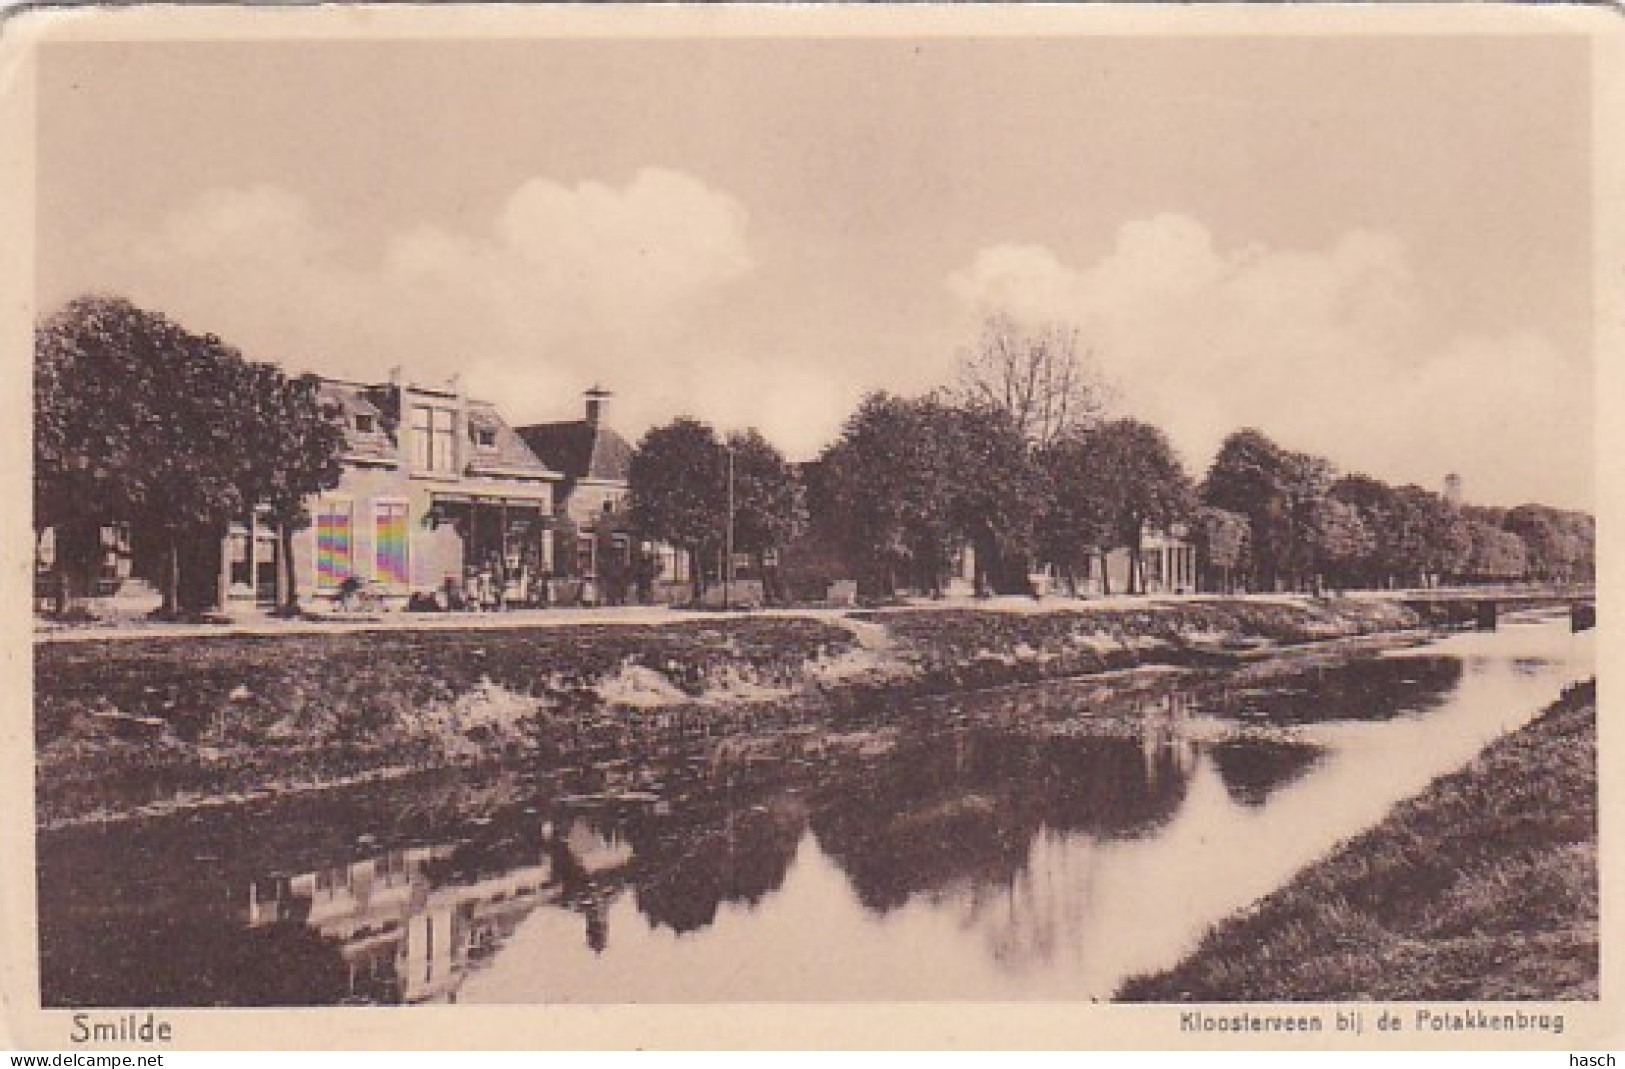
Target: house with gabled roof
[(593, 460), (594, 463), (436, 485)]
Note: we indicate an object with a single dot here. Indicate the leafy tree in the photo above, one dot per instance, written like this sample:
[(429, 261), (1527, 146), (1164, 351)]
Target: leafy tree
[(769, 505), (1535, 526), (91, 363), (1560, 545), (1581, 529), (1409, 531), (1339, 540), (1245, 478), (679, 490), (1036, 375), (1305, 480), (1417, 536), (1139, 481), (1453, 545), (848, 496), (912, 479), (1496, 554), (192, 472), (994, 490), (1221, 544), (1491, 515), (886, 490), (139, 415), (1424, 540), (1279, 492), (1073, 522), (1379, 507), (292, 444), (618, 556)]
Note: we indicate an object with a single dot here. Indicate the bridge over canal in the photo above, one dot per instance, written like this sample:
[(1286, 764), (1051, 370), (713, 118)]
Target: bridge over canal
[(1482, 607)]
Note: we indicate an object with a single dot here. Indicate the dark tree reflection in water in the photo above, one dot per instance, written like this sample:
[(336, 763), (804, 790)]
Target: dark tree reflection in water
[(967, 811), (1370, 688), (1255, 770), (685, 873)]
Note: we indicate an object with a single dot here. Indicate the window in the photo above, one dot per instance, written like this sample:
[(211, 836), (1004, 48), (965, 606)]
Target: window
[(433, 445), (585, 547), (237, 557), (334, 542), (365, 423), (485, 438), (390, 543), (674, 564)]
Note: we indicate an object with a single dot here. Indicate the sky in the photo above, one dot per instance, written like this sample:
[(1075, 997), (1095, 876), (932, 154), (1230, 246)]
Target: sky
[(1377, 249)]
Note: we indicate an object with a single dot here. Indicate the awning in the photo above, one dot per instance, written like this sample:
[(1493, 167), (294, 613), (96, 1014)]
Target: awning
[(494, 501)]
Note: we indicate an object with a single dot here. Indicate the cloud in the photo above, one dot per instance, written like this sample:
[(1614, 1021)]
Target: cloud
[(559, 286), (1325, 349), (652, 288), (260, 223), (634, 286), (558, 257)]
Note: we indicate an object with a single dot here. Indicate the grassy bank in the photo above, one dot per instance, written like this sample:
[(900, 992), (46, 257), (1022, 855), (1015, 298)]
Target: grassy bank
[(954, 648), (138, 724), (1484, 887), (143, 724)]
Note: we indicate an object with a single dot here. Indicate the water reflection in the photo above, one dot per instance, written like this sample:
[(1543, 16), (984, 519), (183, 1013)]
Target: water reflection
[(408, 923), (1255, 770), (966, 810), (687, 871), (1031, 843), (1369, 688)]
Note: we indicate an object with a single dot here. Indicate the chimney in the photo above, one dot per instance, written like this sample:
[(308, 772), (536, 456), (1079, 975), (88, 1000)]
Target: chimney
[(597, 397), (1453, 489)]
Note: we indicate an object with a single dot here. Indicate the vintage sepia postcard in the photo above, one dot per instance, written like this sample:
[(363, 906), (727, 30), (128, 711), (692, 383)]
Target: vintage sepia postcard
[(811, 526)]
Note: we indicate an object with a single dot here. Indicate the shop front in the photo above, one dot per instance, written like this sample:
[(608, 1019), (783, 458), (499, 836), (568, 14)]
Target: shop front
[(503, 549)]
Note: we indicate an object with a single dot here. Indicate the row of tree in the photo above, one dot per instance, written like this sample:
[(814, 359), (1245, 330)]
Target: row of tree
[(909, 482), (1287, 520), (138, 421), (1018, 463), (1014, 463)]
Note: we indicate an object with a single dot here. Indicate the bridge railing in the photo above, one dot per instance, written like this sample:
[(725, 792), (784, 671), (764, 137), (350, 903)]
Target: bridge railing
[(1504, 592)]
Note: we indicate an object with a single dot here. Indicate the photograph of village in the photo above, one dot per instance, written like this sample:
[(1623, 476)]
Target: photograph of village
[(861, 518)]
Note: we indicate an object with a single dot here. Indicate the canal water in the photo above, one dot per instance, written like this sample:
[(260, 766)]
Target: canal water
[(1036, 842)]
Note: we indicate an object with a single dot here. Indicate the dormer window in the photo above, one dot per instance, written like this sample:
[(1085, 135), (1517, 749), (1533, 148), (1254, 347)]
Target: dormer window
[(433, 447), (365, 423)]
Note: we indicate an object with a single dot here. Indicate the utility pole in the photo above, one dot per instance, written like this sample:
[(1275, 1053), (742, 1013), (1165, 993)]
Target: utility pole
[(728, 559)]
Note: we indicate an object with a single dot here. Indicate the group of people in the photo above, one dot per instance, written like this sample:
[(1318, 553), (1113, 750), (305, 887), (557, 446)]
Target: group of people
[(494, 586)]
